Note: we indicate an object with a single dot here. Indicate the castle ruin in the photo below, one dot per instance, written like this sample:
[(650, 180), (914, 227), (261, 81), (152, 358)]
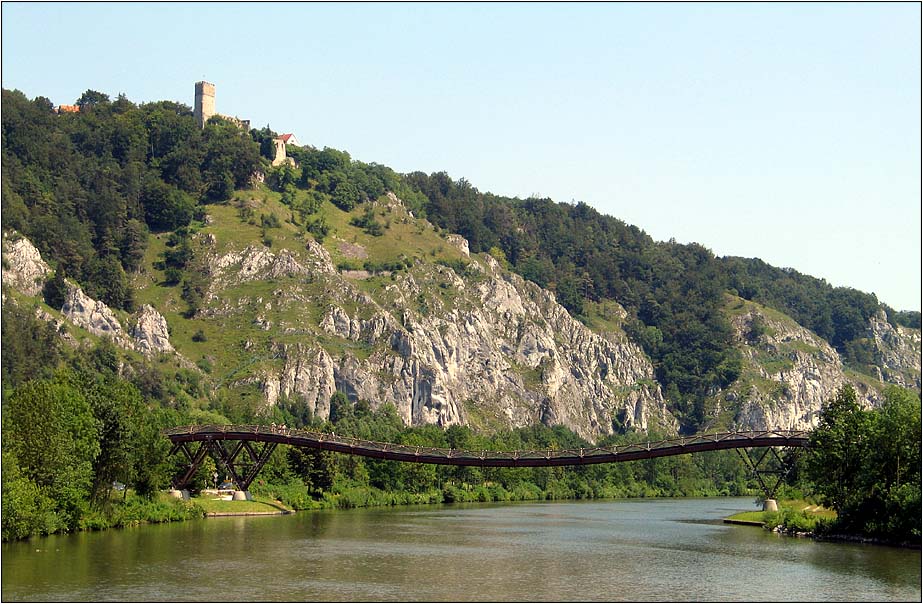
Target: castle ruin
[(205, 106), (204, 102)]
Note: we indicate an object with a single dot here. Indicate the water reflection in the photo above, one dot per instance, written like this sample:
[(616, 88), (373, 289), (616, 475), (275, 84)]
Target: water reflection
[(617, 550)]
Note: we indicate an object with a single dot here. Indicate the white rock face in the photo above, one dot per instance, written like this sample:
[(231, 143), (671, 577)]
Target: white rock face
[(308, 373), (23, 269), (496, 351), (897, 352), (27, 273), (460, 242), (94, 316), (258, 263), (150, 332), (789, 373)]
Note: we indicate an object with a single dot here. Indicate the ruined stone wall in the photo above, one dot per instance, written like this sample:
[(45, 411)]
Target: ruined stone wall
[(280, 153)]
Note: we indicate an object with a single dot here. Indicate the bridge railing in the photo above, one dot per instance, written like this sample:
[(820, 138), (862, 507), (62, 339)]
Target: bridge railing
[(292, 436)]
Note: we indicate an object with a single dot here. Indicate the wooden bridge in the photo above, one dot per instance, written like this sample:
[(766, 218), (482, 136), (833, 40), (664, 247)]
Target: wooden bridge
[(242, 451)]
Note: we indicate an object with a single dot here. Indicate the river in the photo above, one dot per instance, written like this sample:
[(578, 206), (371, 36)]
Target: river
[(637, 550)]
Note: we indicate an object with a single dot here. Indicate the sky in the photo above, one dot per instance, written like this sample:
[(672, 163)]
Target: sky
[(787, 132)]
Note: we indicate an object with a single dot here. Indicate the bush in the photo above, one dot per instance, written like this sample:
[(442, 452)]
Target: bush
[(318, 228), (790, 521), (55, 290)]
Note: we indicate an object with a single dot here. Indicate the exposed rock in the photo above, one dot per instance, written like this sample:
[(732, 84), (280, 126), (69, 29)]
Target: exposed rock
[(460, 242), (307, 373), (396, 203), (897, 351), (495, 352), (23, 267), (320, 261), (789, 373), (94, 316), (258, 263), (150, 332)]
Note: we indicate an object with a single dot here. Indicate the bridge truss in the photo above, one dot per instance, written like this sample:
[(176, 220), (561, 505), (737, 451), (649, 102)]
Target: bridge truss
[(241, 451)]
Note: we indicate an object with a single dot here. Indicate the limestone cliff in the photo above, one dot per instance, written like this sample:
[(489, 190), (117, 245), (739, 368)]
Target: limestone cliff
[(449, 338), (23, 267), (486, 348), (897, 352), (25, 271), (788, 373)]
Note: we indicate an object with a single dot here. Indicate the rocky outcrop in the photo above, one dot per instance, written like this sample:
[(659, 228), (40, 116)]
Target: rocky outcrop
[(256, 263), (897, 352), (23, 267), (25, 271), (788, 374), (150, 332), (93, 316), (491, 350), (459, 242), (307, 373)]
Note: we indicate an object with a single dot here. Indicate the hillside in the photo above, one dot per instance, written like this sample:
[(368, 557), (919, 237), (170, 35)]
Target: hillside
[(228, 296)]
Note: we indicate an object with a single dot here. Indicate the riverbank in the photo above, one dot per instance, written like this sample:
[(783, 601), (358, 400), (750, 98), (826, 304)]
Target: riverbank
[(796, 517), (215, 505), (800, 518)]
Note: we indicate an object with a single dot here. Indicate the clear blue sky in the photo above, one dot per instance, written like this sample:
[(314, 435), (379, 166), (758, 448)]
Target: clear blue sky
[(788, 132)]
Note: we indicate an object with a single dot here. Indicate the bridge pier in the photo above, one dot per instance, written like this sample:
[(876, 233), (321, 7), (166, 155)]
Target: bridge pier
[(242, 496), (241, 460), (770, 469)]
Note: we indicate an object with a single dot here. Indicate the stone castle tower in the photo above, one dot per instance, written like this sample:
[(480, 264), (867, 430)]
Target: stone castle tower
[(204, 102)]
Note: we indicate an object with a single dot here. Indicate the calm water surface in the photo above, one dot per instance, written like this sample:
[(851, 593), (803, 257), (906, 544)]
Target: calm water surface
[(660, 549)]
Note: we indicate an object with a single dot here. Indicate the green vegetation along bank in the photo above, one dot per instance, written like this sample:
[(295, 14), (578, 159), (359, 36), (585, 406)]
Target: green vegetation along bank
[(119, 186)]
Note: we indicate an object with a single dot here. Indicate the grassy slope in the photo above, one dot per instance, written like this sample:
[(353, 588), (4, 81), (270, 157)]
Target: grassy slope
[(212, 505), (763, 360), (234, 344), (797, 505)]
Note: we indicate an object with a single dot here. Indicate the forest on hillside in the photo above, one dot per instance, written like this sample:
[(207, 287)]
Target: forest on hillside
[(88, 187)]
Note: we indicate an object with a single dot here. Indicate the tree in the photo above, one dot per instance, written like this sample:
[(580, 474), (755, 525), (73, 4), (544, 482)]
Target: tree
[(866, 464), (120, 416), (891, 506), (48, 425), (165, 208), (31, 347), (838, 446), (340, 407), (27, 509), (133, 244), (55, 290), (92, 98), (107, 281), (345, 196)]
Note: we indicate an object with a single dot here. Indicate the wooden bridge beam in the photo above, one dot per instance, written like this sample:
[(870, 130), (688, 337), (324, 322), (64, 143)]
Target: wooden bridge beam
[(242, 451)]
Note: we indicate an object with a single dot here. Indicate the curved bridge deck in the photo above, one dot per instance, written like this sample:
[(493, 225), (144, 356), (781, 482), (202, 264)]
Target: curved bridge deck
[(508, 459)]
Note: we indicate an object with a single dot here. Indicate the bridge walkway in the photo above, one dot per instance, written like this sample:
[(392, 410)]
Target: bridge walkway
[(227, 443)]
